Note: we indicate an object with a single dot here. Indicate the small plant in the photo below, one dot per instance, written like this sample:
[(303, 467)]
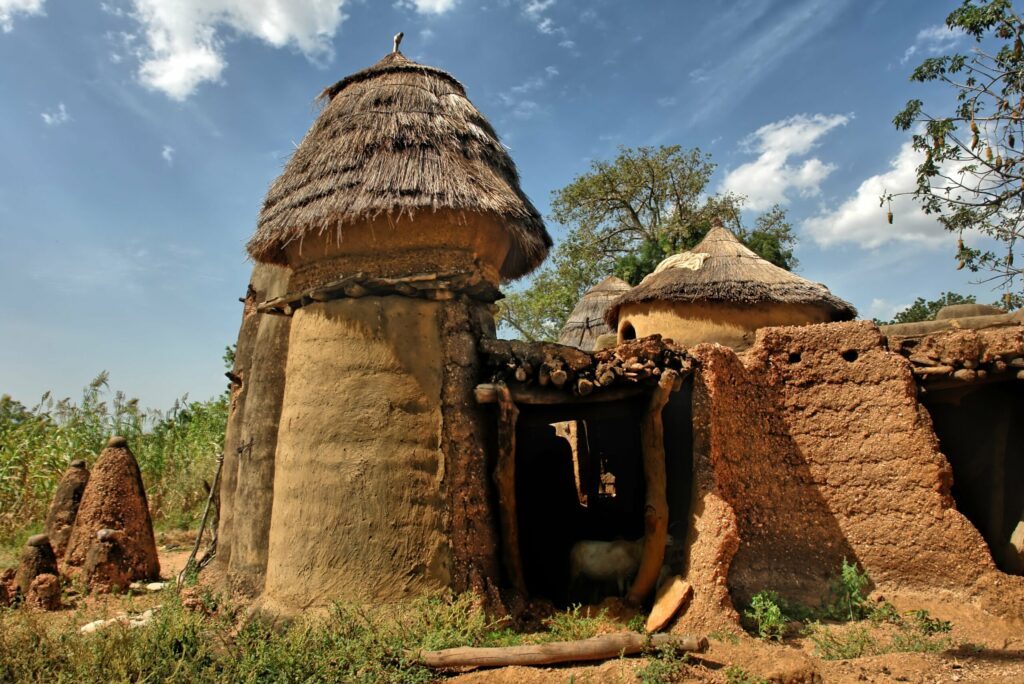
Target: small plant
[(724, 636), (666, 665), (849, 601), (734, 674), (767, 616), (571, 625), (637, 623), (884, 612), (833, 644), (928, 625)]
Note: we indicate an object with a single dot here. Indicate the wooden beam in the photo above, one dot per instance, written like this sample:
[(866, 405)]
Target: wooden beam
[(505, 479), (488, 393), (652, 443), (602, 647)]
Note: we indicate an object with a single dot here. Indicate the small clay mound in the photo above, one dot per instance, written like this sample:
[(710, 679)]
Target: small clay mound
[(967, 311), (44, 592), (64, 507), (115, 499), (37, 558), (105, 567)]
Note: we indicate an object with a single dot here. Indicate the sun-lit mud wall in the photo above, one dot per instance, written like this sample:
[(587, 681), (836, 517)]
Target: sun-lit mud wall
[(814, 448), (380, 488), (691, 323), (266, 282)]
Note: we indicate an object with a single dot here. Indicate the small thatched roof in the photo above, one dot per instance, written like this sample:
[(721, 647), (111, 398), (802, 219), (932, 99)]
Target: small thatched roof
[(721, 269), (397, 138), (586, 322)]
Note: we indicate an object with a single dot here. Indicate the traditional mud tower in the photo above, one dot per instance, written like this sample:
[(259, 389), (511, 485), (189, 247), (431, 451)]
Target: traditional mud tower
[(722, 292), (398, 216)]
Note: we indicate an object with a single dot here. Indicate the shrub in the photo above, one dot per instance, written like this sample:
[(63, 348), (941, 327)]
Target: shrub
[(767, 615)]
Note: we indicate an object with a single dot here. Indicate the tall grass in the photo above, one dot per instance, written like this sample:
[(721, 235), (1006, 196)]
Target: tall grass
[(176, 449)]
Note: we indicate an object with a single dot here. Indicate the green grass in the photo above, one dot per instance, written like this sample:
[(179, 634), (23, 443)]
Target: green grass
[(176, 449), (348, 644)]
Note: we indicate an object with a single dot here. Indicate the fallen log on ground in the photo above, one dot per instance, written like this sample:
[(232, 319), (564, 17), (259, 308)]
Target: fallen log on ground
[(602, 647)]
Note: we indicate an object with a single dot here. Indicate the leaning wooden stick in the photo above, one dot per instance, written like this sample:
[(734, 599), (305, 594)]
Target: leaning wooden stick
[(505, 479), (601, 647), (656, 515)]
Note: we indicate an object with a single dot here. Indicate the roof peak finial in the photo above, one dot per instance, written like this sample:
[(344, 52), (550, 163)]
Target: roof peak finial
[(716, 222), (398, 40)]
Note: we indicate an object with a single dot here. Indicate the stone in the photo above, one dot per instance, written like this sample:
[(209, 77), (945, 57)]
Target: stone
[(37, 558), (672, 595), (44, 592), (113, 526), (64, 508)]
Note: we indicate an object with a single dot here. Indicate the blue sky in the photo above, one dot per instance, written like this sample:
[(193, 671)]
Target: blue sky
[(139, 137)]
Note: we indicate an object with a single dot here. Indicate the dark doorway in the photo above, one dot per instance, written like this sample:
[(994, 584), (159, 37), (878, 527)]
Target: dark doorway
[(981, 431), (579, 476)]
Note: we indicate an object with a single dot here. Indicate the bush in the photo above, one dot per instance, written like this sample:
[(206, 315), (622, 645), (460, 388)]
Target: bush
[(177, 451), (767, 616)]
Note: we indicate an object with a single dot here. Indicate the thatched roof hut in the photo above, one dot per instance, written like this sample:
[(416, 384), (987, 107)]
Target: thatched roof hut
[(721, 291), (394, 140), (586, 322)]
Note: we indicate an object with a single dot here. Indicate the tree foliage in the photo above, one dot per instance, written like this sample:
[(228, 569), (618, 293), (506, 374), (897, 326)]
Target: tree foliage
[(926, 310), (972, 176), (625, 216)]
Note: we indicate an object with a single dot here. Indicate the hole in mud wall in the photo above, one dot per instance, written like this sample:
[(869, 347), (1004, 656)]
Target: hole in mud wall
[(579, 478), (627, 332), (982, 436)]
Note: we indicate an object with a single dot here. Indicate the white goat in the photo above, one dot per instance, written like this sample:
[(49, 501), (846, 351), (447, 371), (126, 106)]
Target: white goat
[(605, 562)]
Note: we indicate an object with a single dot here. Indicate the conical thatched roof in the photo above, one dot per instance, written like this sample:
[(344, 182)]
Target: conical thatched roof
[(397, 138), (586, 322), (721, 269)]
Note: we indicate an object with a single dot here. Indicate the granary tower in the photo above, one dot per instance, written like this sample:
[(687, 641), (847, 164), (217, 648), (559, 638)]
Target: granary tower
[(397, 217)]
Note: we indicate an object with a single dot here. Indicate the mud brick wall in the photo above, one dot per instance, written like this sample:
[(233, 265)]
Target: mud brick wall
[(816, 443)]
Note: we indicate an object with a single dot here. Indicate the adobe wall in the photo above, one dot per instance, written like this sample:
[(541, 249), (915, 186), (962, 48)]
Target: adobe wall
[(691, 323), (812, 447), (256, 445)]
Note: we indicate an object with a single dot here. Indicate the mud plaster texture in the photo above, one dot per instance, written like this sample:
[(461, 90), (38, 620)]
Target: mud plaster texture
[(37, 558), (818, 450), (359, 508), (44, 592), (263, 388), (472, 530), (115, 499), (266, 282), (64, 508), (105, 569)]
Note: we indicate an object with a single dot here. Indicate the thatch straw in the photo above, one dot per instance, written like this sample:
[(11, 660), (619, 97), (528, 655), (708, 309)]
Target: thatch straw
[(397, 138), (732, 274), (586, 322)]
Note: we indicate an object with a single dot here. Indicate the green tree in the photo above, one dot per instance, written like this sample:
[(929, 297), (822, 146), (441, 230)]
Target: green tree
[(972, 176), (623, 217), (925, 310)]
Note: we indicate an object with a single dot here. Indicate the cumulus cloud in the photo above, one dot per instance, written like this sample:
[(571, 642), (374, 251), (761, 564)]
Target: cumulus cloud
[(56, 117), (168, 154), (429, 6), (536, 11), (767, 180), (10, 8), (181, 42), (931, 41), (861, 221)]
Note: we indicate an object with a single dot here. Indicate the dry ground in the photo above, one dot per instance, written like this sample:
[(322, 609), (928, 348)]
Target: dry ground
[(983, 648)]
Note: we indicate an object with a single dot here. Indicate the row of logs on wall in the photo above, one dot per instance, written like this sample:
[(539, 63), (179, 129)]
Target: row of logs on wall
[(581, 373), (931, 366)]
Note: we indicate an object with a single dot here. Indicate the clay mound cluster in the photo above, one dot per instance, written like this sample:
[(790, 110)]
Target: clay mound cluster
[(98, 526)]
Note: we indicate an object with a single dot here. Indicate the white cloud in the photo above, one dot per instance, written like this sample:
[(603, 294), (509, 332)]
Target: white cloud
[(767, 180), (56, 117), (883, 309), (10, 8), (932, 41), (861, 221), (667, 101), (168, 154), (515, 97), (428, 6), (183, 40), (536, 11)]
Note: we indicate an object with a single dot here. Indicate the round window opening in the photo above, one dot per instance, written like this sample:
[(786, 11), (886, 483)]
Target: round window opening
[(626, 332)]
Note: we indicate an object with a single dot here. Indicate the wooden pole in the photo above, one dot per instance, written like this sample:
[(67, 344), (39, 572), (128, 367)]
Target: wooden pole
[(652, 442), (601, 647), (505, 479)]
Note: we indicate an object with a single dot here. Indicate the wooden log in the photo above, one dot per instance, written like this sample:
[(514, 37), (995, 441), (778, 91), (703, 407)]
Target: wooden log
[(505, 479), (602, 647), (652, 442), (488, 393), (965, 375), (932, 370), (559, 377)]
